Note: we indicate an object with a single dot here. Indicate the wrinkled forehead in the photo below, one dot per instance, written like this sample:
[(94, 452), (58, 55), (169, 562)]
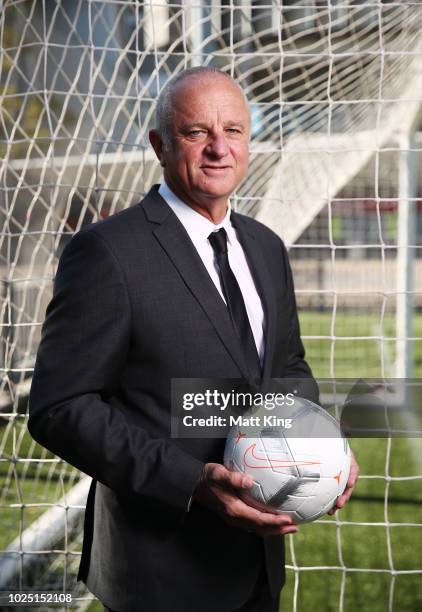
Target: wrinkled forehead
[(207, 95)]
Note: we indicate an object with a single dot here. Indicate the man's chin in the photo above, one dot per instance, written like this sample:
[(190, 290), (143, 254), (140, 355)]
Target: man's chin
[(218, 187), (219, 195)]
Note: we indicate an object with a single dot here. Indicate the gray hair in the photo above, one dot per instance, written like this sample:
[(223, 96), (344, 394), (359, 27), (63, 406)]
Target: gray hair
[(163, 111)]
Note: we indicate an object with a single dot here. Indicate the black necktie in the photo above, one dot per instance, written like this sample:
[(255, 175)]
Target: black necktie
[(235, 302)]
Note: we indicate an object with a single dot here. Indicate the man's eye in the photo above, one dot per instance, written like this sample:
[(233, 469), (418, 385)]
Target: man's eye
[(196, 133), (234, 131)]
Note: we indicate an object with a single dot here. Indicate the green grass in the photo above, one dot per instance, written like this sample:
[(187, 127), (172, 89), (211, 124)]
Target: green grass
[(95, 607), (361, 547), (330, 545), (349, 345), (364, 547), (25, 485)]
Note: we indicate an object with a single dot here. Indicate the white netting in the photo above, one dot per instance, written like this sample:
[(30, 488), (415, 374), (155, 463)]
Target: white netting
[(335, 89)]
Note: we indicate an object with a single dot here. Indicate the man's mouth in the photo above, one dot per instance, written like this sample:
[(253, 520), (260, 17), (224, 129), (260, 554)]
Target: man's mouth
[(215, 168)]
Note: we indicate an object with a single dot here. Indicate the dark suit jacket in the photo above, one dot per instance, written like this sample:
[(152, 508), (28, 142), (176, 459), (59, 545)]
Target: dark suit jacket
[(134, 307)]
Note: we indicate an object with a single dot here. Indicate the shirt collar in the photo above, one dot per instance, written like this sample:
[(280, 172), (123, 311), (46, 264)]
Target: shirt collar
[(197, 226)]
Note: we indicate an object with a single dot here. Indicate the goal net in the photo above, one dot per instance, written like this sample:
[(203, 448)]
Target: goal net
[(335, 90)]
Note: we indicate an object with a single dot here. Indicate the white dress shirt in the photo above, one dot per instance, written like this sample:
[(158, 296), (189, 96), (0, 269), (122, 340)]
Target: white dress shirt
[(198, 229)]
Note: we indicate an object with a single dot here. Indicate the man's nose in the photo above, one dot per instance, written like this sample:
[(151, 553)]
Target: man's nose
[(217, 146)]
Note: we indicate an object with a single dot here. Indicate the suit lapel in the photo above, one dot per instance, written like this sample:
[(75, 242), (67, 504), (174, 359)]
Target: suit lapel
[(264, 285), (176, 242)]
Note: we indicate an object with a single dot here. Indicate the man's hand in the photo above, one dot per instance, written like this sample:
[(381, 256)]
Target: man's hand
[(352, 480), (218, 490)]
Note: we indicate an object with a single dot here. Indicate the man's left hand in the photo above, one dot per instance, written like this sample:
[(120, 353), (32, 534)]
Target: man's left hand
[(350, 485)]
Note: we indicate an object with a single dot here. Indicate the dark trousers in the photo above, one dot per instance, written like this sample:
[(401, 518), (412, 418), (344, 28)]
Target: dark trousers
[(260, 600)]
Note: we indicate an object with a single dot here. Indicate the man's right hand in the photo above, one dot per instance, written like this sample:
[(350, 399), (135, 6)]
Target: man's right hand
[(218, 490)]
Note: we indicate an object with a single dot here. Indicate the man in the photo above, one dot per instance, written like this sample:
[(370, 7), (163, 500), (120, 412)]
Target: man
[(145, 297)]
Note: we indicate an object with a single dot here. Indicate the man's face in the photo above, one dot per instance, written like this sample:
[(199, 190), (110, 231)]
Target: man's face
[(207, 156)]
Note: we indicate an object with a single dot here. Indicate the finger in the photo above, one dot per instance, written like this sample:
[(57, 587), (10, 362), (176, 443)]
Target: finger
[(259, 518), (354, 472), (341, 501), (352, 480), (347, 493), (253, 518), (222, 476), (264, 530), (344, 498), (285, 530)]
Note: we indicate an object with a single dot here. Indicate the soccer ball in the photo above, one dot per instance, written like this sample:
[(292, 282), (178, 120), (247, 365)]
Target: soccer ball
[(300, 476)]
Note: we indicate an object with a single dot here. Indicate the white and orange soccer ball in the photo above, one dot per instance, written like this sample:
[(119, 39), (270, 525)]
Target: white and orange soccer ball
[(300, 476)]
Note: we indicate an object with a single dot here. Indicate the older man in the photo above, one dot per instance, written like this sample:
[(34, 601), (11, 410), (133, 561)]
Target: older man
[(177, 286)]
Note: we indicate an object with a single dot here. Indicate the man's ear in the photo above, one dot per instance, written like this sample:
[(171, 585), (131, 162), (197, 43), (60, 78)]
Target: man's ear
[(157, 144)]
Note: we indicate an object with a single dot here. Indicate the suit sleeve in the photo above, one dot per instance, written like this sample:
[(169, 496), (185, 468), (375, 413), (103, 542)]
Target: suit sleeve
[(85, 340), (297, 367)]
